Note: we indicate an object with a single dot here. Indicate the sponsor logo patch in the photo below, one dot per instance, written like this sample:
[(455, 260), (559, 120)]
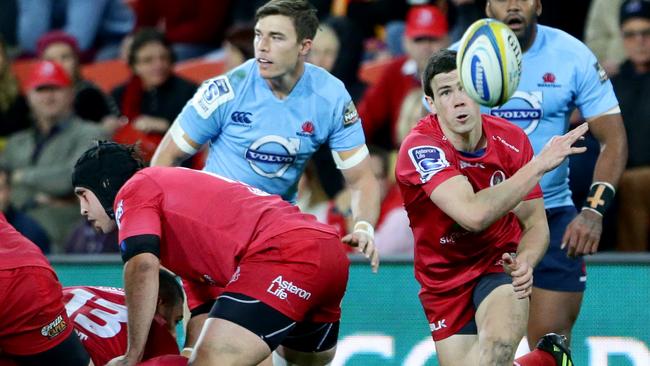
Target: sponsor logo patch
[(119, 212), (350, 114), (602, 74), (281, 288), (241, 118), (212, 94), (428, 160), (307, 129), (56, 327)]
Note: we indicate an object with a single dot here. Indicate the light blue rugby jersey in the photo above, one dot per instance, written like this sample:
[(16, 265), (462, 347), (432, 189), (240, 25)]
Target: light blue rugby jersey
[(264, 141), (559, 73)]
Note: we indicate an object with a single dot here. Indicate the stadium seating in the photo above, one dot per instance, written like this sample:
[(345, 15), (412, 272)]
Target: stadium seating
[(106, 74), (369, 72), (198, 70)]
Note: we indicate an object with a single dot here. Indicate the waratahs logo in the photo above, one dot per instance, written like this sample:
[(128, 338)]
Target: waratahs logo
[(428, 160)]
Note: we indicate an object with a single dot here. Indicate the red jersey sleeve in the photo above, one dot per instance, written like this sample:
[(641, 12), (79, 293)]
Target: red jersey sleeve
[(138, 207), (422, 161)]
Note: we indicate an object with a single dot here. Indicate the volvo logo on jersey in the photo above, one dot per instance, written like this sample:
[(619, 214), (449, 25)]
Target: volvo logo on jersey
[(523, 109), (270, 156)]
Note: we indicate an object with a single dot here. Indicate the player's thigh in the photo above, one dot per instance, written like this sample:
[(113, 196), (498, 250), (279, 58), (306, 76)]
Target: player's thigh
[(552, 311), (223, 342), (458, 350), (308, 343), (501, 317)]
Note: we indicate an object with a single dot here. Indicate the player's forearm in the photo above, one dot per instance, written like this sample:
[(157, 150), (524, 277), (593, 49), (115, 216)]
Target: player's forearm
[(534, 243), (141, 287), (493, 203), (611, 161), (365, 198)]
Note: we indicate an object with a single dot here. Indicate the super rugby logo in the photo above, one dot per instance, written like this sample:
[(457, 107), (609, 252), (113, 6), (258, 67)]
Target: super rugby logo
[(271, 156), (56, 327), (119, 212), (281, 288), (428, 160), (523, 109), (211, 94)]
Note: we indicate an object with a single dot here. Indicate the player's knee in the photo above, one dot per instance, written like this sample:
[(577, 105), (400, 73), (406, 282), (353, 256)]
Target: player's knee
[(499, 351)]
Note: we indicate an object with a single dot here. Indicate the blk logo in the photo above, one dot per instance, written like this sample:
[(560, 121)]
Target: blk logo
[(241, 117), (548, 78), (435, 326)]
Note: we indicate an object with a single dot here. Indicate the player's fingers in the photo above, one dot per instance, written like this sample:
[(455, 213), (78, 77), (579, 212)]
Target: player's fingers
[(349, 240), (374, 261), (578, 150)]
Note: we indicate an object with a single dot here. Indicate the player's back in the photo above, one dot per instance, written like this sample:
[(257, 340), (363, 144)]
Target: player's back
[(206, 223), (16, 250), (99, 317)]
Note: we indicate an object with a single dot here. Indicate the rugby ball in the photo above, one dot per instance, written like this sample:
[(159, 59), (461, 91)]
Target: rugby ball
[(489, 62)]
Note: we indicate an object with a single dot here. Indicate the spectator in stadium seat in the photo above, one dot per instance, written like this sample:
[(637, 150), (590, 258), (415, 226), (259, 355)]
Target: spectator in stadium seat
[(90, 102), (14, 113), (193, 27), (238, 45), (632, 86), (603, 34), (98, 26), (41, 157), (425, 33), (470, 186), (154, 96), (27, 226)]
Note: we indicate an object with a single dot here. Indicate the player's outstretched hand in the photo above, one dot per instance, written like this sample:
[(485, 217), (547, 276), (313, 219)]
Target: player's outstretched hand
[(582, 236), (521, 273), (559, 148), (366, 245)]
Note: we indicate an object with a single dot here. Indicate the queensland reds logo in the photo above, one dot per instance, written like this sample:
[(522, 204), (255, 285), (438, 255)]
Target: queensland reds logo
[(549, 78), (497, 177)]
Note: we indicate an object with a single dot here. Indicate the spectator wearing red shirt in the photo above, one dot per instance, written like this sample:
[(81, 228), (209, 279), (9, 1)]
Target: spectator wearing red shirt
[(194, 27), (426, 33)]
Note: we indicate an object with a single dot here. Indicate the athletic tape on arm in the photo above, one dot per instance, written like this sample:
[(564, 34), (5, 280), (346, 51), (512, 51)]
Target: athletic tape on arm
[(178, 134), (353, 160)]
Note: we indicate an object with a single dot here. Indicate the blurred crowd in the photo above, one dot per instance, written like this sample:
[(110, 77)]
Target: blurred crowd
[(378, 48)]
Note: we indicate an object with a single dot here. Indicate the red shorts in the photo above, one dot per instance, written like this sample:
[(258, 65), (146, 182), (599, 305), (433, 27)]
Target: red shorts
[(200, 293), (449, 311), (32, 315)]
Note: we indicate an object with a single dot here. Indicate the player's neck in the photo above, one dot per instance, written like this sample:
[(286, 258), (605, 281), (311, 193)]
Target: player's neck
[(530, 39), (284, 84), (467, 142)]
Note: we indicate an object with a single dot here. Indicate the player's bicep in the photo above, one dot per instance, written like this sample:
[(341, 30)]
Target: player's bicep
[(454, 197), (138, 244), (202, 116)]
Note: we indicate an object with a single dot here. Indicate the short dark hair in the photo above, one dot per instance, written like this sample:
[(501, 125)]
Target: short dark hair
[(144, 37), (170, 290), (301, 12), (440, 62)]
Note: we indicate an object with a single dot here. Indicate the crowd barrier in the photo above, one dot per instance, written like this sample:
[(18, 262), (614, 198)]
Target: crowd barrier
[(383, 323)]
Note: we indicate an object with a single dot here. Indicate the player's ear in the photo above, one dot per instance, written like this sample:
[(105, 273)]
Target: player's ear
[(488, 11), (305, 46), (538, 7)]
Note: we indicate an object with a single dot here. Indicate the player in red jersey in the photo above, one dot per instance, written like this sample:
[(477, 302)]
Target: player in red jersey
[(283, 274), (34, 327), (471, 191), (99, 318)]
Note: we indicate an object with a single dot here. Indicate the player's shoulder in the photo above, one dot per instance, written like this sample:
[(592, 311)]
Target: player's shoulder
[(424, 132), (321, 82), (512, 136), (563, 42)]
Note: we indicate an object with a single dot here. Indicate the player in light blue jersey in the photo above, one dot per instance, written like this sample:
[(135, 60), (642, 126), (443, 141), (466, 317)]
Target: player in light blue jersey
[(559, 74), (264, 120)]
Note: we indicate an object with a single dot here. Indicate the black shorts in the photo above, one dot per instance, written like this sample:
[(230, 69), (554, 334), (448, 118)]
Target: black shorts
[(272, 326), (485, 285)]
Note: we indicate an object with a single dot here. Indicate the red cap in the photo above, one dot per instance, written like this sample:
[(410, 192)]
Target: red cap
[(56, 36), (426, 21), (47, 73)]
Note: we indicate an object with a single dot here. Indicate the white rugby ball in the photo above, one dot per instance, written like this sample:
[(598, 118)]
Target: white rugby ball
[(489, 62)]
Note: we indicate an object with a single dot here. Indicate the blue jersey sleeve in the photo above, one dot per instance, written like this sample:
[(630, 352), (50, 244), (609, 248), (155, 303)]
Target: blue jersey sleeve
[(202, 116), (347, 132), (594, 91)]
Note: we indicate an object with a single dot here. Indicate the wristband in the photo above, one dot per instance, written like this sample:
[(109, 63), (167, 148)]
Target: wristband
[(601, 195), (364, 227)]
